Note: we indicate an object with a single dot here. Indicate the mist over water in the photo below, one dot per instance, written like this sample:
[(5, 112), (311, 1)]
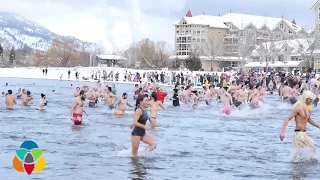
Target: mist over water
[(202, 144)]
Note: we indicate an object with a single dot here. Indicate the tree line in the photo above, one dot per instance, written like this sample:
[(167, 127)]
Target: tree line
[(146, 53)]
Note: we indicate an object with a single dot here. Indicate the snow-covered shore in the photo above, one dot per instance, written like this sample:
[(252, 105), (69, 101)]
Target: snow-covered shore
[(62, 73)]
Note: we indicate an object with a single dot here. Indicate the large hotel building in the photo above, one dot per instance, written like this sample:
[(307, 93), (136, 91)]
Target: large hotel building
[(229, 40)]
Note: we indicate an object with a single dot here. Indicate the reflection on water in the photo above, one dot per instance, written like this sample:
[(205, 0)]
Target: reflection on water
[(203, 144), (300, 171), (138, 171)]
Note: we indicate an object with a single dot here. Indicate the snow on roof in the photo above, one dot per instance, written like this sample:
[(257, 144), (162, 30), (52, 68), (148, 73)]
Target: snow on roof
[(242, 20), (315, 5), (112, 57), (297, 45), (239, 20), (208, 58), (211, 21)]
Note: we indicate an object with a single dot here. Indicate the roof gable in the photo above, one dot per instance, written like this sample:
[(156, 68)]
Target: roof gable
[(250, 26), (315, 6)]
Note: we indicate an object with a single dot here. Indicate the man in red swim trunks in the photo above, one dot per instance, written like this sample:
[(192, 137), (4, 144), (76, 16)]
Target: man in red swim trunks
[(161, 94), (77, 108)]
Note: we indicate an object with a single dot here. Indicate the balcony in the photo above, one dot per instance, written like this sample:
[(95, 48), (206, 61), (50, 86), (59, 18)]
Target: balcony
[(184, 42), (184, 34)]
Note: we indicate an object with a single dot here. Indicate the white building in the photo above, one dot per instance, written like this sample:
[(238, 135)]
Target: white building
[(226, 40)]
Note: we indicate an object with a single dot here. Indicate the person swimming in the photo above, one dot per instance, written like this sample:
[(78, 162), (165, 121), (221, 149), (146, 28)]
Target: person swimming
[(139, 131)]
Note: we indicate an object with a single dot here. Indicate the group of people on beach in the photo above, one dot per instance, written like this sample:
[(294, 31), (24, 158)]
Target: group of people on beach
[(232, 92)]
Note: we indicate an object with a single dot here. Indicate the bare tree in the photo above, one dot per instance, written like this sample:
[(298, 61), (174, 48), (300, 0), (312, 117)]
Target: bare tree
[(308, 45), (162, 53), (62, 51), (245, 45), (212, 47)]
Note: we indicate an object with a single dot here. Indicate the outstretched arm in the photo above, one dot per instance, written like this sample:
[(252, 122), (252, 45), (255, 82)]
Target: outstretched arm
[(293, 114), (313, 123)]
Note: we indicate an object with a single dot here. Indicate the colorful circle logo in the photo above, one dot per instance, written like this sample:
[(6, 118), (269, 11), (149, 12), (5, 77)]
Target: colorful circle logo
[(29, 158)]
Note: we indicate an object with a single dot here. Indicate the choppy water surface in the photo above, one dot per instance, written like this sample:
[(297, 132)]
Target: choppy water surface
[(191, 145)]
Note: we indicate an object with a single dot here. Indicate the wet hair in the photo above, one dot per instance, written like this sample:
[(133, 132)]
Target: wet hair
[(154, 96), (9, 91), (28, 92), (110, 89), (82, 92), (225, 88), (124, 94), (42, 95), (139, 100)]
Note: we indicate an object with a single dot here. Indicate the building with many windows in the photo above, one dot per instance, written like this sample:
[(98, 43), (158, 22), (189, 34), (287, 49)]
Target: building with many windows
[(299, 53), (225, 41)]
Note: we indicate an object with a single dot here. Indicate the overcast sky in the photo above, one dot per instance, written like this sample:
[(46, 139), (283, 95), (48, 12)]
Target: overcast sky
[(116, 23)]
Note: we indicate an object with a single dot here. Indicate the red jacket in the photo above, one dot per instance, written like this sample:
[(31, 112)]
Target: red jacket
[(161, 95)]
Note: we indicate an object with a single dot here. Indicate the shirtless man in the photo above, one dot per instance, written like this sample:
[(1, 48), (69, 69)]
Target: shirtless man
[(25, 98), (195, 100), (77, 108), (10, 100), (301, 113), (122, 104), (254, 99), (207, 96), (92, 99), (42, 103), (295, 94), (154, 105), (109, 98), (285, 93), (240, 96), (77, 92)]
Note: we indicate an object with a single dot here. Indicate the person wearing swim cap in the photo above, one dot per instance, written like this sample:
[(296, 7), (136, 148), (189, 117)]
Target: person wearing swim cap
[(77, 108), (301, 113)]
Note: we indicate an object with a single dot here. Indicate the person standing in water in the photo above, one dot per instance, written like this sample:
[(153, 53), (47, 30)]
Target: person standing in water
[(154, 106), (42, 103), (302, 117), (122, 104), (227, 102), (10, 100), (77, 108), (175, 98), (109, 98), (139, 131), (195, 100)]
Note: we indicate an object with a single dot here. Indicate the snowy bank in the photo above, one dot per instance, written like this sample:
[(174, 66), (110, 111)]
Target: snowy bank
[(62, 73)]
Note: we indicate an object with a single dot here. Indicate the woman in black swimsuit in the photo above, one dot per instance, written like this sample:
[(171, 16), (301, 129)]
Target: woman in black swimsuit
[(139, 121)]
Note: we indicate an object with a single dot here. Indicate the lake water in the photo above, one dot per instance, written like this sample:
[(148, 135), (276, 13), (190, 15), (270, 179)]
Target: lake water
[(199, 144)]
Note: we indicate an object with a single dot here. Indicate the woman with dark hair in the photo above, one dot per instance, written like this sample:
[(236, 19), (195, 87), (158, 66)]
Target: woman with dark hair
[(154, 105), (139, 121)]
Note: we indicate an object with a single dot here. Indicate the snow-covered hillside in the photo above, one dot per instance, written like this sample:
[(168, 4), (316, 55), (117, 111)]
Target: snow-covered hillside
[(19, 32)]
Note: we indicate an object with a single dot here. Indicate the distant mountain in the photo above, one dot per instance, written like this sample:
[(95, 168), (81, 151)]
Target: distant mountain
[(21, 33)]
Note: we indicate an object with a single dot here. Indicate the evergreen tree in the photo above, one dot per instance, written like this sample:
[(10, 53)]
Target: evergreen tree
[(193, 62), (12, 56)]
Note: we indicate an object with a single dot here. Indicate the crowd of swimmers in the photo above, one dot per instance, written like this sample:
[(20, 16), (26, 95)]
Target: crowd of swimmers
[(231, 94)]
